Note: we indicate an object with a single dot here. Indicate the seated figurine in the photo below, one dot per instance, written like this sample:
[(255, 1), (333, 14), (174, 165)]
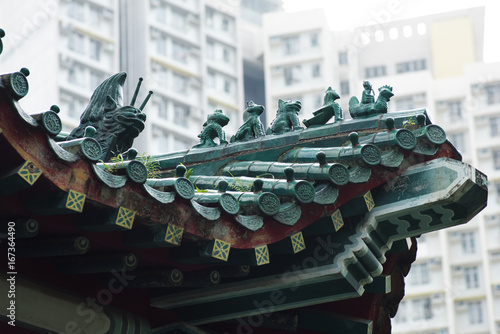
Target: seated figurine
[(212, 129), (329, 109), (369, 107), (252, 127), (287, 118)]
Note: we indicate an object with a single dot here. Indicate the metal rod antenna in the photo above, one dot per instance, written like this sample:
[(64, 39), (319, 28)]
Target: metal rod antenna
[(146, 100), (136, 92)]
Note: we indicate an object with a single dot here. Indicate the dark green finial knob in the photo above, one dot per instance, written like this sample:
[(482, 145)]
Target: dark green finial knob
[(25, 71), (257, 186), (354, 138), (131, 154), (289, 174), (421, 119), (389, 123), (90, 131), (222, 186), (180, 170), (2, 33), (321, 156), (55, 108)]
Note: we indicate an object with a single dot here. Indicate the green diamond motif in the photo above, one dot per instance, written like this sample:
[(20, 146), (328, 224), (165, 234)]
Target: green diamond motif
[(75, 201), (125, 218), (370, 204), (29, 172), (337, 220), (298, 243), (174, 234), (221, 250), (262, 255)]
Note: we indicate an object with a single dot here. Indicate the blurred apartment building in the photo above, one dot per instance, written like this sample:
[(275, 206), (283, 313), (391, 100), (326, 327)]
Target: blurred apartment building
[(188, 51), (435, 62)]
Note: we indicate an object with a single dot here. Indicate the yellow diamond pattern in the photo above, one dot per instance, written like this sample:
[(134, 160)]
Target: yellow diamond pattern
[(337, 220), (125, 218), (370, 204), (262, 255), (75, 201), (27, 174), (221, 250), (298, 243), (174, 234)]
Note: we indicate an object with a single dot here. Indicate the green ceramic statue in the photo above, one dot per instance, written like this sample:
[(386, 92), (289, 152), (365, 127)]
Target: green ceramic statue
[(212, 129), (368, 105), (287, 118), (329, 109), (116, 125), (252, 127)]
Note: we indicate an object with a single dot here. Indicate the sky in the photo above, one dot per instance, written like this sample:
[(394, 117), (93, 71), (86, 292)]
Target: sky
[(346, 14)]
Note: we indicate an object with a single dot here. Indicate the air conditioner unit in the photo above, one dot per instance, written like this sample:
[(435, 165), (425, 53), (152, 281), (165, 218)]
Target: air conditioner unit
[(461, 305)]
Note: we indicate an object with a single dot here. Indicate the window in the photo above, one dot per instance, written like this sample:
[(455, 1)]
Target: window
[(344, 87), (314, 40), (471, 277), (411, 66), (181, 144), (228, 87), (96, 78), (494, 126), (422, 309), (316, 69), (179, 52), (468, 241), (178, 20), (76, 10), (211, 50), (76, 75), (496, 158), (95, 16), (162, 109), (95, 49), (161, 45), (401, 315), (475, 311), (493, 93), (455, 110), (291, 45), (458, 140), (211, 79), (343, 59), (76, 42), (76, 107), (161, 14), (225, 24), (225, 55), (419, 274), (375, 71), (292, 75), (405, 103), (181, 114), (209, 17), (180, 83)]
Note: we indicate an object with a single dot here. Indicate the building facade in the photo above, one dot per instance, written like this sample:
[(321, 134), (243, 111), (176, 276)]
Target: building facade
[(434, 62), (187, 51)]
